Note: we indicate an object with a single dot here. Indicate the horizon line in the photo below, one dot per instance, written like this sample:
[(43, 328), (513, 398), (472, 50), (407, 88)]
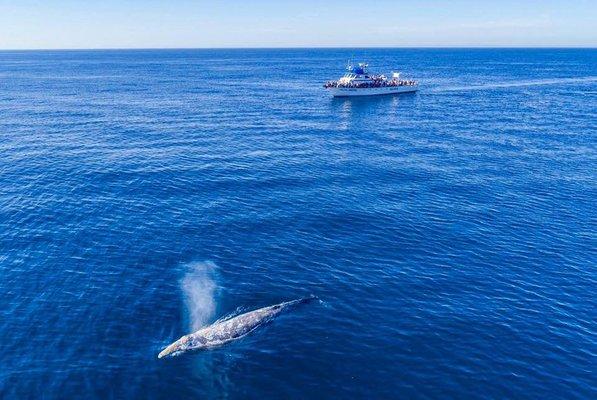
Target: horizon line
[(296, 48)]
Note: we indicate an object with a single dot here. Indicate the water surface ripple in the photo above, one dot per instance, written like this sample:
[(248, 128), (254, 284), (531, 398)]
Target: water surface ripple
[(450, 233)]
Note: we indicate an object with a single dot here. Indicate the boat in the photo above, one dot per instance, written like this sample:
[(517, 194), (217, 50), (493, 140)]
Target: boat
[(358, 82)]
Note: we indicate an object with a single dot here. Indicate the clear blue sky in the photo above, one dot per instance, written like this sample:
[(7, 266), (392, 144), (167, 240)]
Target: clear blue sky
[(31, 24)]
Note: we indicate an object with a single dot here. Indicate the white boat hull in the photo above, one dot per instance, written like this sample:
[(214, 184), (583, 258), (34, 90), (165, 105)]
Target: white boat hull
[(371, 91)]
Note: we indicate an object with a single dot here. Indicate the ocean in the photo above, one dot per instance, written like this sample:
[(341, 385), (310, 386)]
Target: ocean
[(450, 235)]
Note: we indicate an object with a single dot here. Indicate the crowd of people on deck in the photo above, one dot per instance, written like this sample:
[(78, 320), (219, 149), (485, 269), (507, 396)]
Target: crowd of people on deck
[(376, 82)]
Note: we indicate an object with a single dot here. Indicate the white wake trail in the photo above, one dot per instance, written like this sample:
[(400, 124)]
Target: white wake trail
[(523, 83)]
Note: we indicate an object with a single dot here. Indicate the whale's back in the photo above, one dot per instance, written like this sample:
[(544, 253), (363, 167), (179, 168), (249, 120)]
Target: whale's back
[(240, 325), (230, 329)]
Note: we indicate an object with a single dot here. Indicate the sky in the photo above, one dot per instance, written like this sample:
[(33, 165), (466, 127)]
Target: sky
[(92, 24)]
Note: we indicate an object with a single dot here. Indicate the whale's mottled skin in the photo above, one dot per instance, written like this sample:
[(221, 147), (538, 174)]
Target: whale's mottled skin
[(229, 329)]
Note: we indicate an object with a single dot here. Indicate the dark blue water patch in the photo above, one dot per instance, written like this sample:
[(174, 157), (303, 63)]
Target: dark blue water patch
[(450, 233)]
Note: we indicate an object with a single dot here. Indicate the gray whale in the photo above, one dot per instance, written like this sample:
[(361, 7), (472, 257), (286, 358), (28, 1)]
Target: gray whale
[(226, 330)]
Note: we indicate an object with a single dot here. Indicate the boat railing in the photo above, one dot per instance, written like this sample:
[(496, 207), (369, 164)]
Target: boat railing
[(373, 84)]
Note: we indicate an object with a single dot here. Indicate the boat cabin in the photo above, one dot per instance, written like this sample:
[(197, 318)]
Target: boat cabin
[(356, 74)]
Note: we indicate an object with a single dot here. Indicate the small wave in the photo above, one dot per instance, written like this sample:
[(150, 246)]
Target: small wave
[(199, 289), (539, 82)]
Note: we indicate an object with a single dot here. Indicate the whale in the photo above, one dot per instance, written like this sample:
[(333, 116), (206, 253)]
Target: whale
[(228, 329)]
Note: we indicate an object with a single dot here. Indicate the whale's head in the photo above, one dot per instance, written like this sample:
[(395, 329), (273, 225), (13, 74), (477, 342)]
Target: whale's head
[(180, 346), (186, 343)]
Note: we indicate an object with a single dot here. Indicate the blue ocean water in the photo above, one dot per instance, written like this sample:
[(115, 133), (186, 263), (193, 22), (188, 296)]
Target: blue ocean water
[(450, 234)]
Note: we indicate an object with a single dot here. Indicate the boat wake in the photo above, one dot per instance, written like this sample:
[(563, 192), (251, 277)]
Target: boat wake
[(538, 82), (199, 290)]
